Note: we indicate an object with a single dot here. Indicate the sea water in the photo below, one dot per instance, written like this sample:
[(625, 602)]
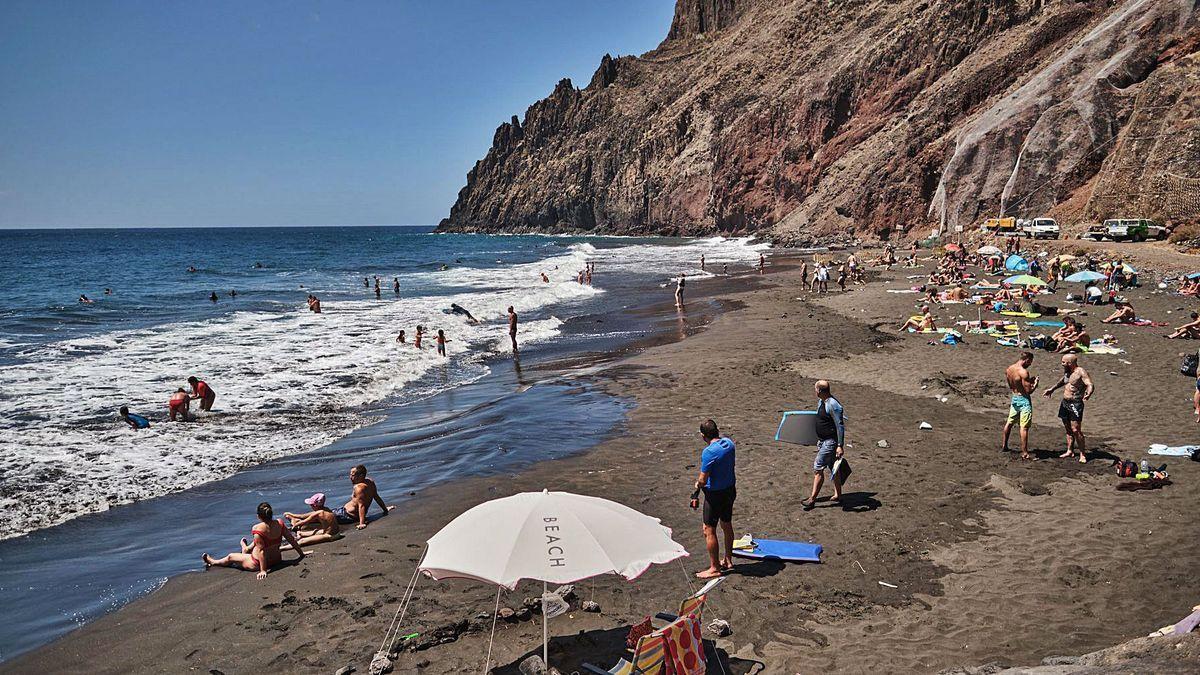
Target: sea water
[(300, 396)]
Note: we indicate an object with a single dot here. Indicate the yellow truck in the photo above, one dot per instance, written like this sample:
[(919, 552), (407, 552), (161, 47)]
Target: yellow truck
[(1000, 225)]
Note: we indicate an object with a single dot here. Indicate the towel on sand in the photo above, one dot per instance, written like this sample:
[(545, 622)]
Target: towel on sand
[(1172, 451)]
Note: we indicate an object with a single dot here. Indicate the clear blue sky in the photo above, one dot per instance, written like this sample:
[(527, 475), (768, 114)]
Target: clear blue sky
[(171, 113)]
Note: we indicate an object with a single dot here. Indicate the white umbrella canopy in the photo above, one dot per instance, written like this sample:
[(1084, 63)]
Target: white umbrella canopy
[(554, 537), (988, 250)]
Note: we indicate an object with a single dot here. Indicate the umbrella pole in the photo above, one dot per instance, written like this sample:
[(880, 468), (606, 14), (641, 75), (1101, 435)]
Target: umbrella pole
[(545, 630)]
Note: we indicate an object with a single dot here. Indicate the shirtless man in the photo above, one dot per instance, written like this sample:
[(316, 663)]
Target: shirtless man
[(512, 328), (365, 492), (1123, 314), (922, 324), (804, 274), (315, 527), (1020, 409), (1077, 388), (178, 405), (201, 390), (1189, 330), (679, 289)]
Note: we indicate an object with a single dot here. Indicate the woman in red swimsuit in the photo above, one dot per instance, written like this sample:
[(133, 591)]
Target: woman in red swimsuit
[(263, 553)]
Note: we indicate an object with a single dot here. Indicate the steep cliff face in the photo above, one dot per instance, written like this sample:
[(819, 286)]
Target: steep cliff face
[(811, 118)]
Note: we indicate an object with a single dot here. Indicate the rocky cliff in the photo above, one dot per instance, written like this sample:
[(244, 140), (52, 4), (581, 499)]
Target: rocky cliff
[(812, 118)]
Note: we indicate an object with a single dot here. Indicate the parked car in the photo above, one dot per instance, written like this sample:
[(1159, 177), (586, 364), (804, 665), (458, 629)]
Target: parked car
[(1039, 228), (1134, 229), (1000, 225)]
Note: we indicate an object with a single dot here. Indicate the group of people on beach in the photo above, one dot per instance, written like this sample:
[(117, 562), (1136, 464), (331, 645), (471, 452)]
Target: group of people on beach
[(1077, 388), (178, 406), (319, 524)]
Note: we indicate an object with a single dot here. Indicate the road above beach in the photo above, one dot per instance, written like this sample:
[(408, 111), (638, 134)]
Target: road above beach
[(993, 559)]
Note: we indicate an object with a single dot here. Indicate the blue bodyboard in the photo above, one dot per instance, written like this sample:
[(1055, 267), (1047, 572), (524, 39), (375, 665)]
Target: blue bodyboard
[(799, 427), (777, 549)]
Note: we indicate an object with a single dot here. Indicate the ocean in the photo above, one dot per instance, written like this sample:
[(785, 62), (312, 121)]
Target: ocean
[(99, 514)]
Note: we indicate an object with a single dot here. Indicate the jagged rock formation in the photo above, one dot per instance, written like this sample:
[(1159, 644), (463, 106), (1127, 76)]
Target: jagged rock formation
[(811, 118)]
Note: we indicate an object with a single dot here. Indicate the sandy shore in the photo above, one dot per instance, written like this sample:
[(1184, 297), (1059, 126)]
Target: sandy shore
[(995, 560)]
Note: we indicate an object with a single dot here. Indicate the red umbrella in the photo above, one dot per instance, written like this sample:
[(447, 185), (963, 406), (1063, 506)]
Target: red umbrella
[(952, 247)]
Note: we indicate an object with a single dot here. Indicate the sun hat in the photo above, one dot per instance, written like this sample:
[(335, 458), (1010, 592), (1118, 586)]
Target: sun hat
[(316, 500)]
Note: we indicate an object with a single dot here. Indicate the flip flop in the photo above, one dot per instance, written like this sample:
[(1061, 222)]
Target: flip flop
[(807, 504)]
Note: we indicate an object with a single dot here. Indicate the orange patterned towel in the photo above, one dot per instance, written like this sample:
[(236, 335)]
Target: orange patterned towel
[(685, 651)]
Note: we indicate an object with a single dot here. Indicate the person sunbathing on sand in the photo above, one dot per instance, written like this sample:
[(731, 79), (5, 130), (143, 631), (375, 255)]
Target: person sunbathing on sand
[(1123, 314), (1072, 336), (317, 526), (263, 553), (957, 293), (365, 492), (1189, 330), (921, 323)]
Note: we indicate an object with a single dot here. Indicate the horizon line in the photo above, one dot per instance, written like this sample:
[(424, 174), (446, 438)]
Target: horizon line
[(198, 227)]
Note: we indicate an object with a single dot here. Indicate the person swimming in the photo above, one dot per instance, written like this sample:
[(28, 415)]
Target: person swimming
[(135, 422), (85, 299), (458, 309), (213, 297)]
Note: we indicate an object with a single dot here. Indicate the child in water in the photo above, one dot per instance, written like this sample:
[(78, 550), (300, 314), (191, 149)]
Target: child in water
[(135, 422), (441, 342), (400, 338), (417, 339)]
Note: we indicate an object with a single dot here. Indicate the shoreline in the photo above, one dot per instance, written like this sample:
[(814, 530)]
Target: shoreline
[(975, 541)]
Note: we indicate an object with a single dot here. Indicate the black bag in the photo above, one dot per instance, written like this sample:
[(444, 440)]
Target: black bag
[(841, 470), (1188, 367)]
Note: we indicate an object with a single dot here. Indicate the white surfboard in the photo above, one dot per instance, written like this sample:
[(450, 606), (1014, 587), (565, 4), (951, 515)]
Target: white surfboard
[(798, 427)]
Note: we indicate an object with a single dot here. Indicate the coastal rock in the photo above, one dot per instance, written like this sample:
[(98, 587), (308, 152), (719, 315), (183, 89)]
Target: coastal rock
[(812, 121), (590, 606), (380, 663), (534, 665)]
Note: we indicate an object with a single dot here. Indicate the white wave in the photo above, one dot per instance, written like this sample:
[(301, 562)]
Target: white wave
[(287, 380)]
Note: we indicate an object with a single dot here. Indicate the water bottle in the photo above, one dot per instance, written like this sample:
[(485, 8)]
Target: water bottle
[(1145, 466)]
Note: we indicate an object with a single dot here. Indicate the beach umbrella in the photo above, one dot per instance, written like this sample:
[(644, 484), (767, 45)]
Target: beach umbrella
[(1024, 280), (552, 537), (952, 247), (988, 250), (1085, 277), (1016, 263)]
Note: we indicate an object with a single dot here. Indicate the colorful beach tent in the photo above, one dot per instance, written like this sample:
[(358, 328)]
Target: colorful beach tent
[(1023, 280), (1084, 277), (1016, 263), (548, 536)]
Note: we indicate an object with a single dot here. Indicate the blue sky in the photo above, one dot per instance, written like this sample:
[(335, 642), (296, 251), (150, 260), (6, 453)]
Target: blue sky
[(166, 113)]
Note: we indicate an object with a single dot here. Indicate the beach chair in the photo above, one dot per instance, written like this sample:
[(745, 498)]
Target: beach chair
[(648, 659), (693, 604), (685, 647)]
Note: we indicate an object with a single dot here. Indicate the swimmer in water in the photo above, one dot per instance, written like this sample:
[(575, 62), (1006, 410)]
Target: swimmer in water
[(417, 338), (441, 342), (233, 294), (400, 338), (314, 304), (366, 283), (396, 285), (458, 309), (135, 422), (545, 279), (201, 390), (213, 297), (85, 299)]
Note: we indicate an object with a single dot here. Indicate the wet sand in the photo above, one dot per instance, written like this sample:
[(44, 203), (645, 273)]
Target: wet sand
[(994, 559)]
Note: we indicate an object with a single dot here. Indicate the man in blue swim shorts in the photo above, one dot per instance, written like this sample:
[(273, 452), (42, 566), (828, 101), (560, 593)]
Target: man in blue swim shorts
[(1020, 410)]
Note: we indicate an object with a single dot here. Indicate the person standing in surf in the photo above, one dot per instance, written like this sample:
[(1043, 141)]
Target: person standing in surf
[(417, 337), (679, 289), (396, 285), (441, 342), (512, 329), (201, 390)]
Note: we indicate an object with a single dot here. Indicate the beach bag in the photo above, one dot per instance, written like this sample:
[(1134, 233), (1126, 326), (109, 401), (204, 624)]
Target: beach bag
[(637, 631), (1188, 367), (841, 470), (1126, 468), (1038, 342)]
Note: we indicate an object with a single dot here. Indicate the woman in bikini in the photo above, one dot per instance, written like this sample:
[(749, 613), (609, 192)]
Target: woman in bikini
[(263, 553)]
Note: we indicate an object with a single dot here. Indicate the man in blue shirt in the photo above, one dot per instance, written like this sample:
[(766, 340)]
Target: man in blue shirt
[(831, 439), (717, 481)]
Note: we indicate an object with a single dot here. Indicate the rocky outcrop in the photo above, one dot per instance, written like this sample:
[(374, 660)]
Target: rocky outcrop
[(809, 118)]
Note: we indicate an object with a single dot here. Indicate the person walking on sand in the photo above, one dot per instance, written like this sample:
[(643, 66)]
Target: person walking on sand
[(831, 443), (804, 274), (263, 553), (1020, 408), (679, 289), (762, 263), (1196, 394), (365, 493), (1077, 388), (178, 405), (512, 329), (201, 390), (718, 483)]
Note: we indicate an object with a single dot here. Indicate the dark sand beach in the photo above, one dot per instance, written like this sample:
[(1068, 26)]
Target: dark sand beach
[(994, 560)]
